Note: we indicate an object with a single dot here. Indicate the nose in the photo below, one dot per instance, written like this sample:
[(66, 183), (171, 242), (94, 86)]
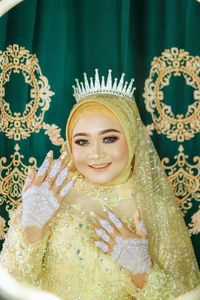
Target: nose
[(96, 152)]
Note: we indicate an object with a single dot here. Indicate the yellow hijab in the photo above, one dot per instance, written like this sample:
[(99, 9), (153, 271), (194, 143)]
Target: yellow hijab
[(118, 109)]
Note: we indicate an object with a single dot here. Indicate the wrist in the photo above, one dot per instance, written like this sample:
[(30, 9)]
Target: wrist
[(139, 279), (34, 234)]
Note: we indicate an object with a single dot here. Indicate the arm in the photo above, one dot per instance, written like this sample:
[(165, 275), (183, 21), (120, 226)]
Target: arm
[(25, 245), (157, 284), (19, 256)]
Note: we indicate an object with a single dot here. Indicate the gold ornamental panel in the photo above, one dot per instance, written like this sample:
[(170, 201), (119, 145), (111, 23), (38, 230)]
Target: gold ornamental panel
[(18, 125), (173, 62), (194, 226), (12, 177), (184, 178)]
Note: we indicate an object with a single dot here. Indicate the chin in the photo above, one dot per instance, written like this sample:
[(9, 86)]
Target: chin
[(99, 181)]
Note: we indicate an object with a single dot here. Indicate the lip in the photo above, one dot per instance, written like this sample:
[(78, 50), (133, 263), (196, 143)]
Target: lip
[(98, 166)]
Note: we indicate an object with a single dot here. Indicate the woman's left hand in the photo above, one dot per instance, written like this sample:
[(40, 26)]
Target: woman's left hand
[(126, 247)]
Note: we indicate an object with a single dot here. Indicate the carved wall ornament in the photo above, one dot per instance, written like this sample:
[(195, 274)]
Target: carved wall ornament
[(53, 132), (173, 62), (18, 125), (12, 177), (3, 228), (184, 178), (194, 226)]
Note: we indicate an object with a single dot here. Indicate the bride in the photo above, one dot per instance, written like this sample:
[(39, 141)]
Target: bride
[(103, 225)]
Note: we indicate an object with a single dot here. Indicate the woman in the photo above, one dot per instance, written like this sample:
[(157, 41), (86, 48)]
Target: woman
[(113, 232)]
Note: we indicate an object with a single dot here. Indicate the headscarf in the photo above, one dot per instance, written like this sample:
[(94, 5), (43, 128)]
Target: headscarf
[(113, 109)]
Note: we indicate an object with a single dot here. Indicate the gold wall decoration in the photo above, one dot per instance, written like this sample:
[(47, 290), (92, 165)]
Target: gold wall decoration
[(12, 177), (53, 132), (194, 226), (173, 62), (184, 178), (18, 125), (3, 228)]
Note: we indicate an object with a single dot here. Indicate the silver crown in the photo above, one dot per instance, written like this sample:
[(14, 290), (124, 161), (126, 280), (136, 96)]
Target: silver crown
[(121, 88)]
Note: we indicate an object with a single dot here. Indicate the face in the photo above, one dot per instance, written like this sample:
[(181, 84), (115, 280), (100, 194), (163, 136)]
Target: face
[(99, 148)]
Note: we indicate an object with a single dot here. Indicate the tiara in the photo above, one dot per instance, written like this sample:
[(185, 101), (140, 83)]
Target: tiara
[(108, 86)]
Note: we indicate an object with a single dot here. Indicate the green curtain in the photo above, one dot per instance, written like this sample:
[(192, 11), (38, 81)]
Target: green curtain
[(69, 37)]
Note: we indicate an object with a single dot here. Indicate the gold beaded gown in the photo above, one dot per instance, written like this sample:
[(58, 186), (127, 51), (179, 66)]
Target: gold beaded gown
[(67, 262)]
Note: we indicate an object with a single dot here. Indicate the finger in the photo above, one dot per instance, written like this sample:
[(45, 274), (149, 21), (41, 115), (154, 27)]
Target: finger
[(103, 234), (140, 227), (103, 246), (61, 178), (30, 176), (119, 225), (104, 222), (55, 168), (42, 171), (107, 226), (66, 188), (115, 220)]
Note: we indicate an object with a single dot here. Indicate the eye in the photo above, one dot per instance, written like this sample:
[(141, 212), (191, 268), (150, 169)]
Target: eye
[(110, 139), (82, 142)]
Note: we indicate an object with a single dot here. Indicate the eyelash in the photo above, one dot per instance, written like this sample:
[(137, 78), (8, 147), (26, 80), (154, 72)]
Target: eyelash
[(106, 140)]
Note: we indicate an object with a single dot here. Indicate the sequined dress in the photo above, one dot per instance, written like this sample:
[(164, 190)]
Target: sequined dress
[(67, 262)]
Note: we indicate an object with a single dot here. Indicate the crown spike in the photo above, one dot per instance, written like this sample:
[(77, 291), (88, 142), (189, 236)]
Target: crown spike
[(87, 87), (109, 80), (133, 90), (78, 85), (103, 83), (130, 85), (121, 82), (115, 84), (125, 86), (82, 87), (91, 83), (97, 81)]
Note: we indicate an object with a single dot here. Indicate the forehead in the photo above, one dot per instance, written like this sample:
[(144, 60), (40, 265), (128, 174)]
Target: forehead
[(97, 122)]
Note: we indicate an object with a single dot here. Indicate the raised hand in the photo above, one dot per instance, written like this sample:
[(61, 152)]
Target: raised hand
[(44, 191), (126, 247)]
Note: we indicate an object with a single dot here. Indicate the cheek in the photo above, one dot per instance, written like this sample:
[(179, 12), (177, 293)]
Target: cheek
[(120, 152), (78, 154)]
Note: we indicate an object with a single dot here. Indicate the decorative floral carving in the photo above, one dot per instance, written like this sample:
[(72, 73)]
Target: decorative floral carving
[(12, 177), (15, 125), (173, 62), (53, 131), (195, 225), (2, 228), (184, 177)]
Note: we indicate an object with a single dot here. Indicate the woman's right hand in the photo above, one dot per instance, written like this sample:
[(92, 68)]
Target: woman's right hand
[(44, 191)]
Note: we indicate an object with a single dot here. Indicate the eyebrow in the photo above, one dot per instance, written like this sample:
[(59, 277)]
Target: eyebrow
[(99, 133)]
